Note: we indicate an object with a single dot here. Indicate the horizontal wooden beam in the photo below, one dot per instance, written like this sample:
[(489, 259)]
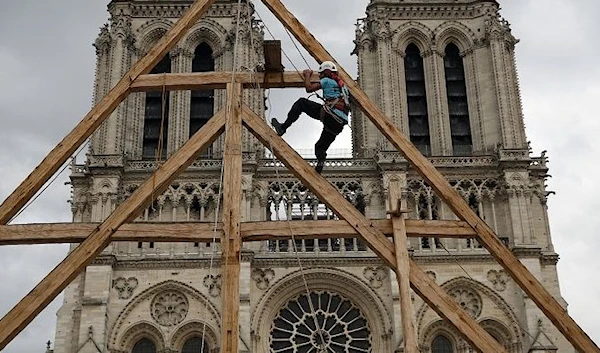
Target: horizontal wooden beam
[(58, 233), (217, 80)]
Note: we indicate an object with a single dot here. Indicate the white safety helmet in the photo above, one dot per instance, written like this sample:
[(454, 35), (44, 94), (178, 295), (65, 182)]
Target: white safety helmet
[(327, 65)]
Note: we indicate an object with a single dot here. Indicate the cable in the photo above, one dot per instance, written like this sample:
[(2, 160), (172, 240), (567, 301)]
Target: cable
[(283, 51), (298, 259), (294, 246), (56, 176), (217, 211), (297, 48)]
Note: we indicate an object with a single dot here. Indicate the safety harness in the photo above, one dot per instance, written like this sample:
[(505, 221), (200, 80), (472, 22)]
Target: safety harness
[(342, 102)]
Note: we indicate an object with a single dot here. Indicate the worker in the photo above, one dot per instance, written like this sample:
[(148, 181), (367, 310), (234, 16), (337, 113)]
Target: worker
[(333, 113)]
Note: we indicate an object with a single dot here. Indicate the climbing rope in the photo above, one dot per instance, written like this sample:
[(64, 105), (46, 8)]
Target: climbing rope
[(218, 208), (56, 176), (288, 216)]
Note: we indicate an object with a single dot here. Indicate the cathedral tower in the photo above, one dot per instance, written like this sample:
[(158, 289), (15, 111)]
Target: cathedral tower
[(444, 71)]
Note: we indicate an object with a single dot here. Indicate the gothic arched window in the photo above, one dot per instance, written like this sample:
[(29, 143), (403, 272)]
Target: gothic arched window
[(339, 326), (418, 120), (195, 345), (458, 107), (202, 102), (441, 344), (144, 346), (156, 105)]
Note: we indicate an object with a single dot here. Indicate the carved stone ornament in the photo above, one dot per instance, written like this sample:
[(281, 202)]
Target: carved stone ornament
[(125, 286), (499, 279), (375, 276), (213, 283), (431, 275), (263, 278), (469, 300), (169, 308)]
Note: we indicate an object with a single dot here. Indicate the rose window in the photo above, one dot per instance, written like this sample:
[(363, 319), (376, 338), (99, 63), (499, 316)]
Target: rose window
[(169, 308), (469, 300), (339, 326)]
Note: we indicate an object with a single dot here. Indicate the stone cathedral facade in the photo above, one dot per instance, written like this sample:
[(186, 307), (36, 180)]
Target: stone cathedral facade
[(443, 71)]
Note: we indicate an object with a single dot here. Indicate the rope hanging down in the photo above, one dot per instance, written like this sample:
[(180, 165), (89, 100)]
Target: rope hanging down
[(301, 268)]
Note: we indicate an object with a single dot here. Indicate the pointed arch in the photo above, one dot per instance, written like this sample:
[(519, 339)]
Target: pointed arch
[(117, 339), (192, 331), (413, 33), (142, 331), (150, 32), (509, 321), (207, 31), (453, 32), (332, 280), (441, 333)]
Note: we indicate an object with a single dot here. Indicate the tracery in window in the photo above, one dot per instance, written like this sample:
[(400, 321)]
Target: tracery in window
[(293, 201), (458, 108), (441, 344), (202, 102), (339, 327), (157, 105), (418, 120), (144, 346)]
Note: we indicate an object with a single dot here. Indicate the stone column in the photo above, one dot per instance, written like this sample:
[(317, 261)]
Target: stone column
[(179, 120), (509, 105), (474, 101), (437, 103), (401, 106)]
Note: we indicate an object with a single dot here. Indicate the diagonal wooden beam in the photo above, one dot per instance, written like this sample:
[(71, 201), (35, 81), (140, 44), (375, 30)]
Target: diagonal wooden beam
[(34, 302), (544, 300), (60, 233), (59, 155), (231, 242), (434, 295)]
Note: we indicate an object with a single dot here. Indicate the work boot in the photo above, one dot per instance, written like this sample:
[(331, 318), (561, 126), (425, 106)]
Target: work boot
[(320, 165), (278, 127)]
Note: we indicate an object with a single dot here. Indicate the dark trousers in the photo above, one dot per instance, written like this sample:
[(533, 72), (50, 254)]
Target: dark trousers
[(331, 128)]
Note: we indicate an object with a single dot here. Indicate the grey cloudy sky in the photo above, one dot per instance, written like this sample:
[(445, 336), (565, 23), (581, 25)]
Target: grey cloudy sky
[(47, 71)]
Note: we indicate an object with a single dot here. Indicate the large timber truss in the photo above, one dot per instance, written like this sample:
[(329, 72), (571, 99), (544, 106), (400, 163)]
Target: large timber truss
[(118, 227)]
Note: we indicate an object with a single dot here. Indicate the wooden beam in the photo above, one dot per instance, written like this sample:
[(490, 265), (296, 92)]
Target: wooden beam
[(402, 267), (217, 80), (231, 243), (59, 155), (76, 261), (255, 231), (60, 233), (544, 300), (432, 293)]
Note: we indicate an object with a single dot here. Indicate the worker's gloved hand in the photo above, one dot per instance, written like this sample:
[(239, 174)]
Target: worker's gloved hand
[(307, 73)]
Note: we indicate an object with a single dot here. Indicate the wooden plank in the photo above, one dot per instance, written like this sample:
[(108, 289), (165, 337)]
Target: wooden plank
[(59, 233), (217, 80), (28, 308), (403, 266), (444, 304), (231, 242), (59, 155), (544, 300)]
